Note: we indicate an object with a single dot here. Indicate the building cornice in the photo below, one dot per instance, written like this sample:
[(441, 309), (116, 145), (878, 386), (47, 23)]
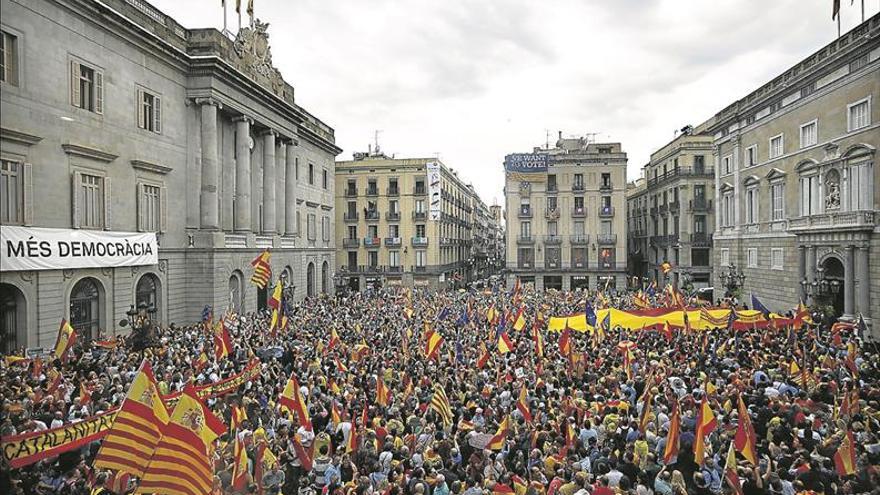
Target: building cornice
[(12, 135), (150, 167), (88, 152)]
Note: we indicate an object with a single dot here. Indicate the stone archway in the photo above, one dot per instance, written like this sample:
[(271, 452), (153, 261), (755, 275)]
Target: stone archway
[(310, 280), (834, 272), (13, 319), (86, 307)]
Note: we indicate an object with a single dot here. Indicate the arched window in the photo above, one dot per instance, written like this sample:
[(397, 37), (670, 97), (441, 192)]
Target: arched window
[(325, 276), (310, 280), (85, 308), (147, 291), (12, 318), (235, 291)]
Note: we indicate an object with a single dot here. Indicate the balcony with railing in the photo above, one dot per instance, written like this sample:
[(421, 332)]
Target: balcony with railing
[(525, 212), (372, 191), (525, 239), (578, 212), (393, 191), (605, 239), (552, 239), (552, 263), (577, 187), (579, 239), (674, 207), (371, 215), (700, 204), (351, 192), (606, 211), (392, 242), (419, 241), (393, 269), (551, 213), (703, 171), (864, 219), (525, 263), (420, 215), (351, 243), (392, 216), (350, 216), (605, 188), (419, 191), (372, 241), (552, 188), (419, 268), (701, 239)]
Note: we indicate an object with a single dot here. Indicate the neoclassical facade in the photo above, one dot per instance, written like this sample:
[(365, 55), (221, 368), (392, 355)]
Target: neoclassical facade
[(115, 118), (795, 181)]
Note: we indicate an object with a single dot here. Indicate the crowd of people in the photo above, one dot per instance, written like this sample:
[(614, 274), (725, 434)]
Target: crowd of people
[(598, 418)]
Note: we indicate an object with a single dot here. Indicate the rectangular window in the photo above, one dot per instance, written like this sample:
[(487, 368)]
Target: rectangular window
[(86, 87), (352, 260), (8, 58), (325, 183), (578, 181), (777, 200), (420, 206), (551, 182), (352, 232), (776, 257), (727, 210), (752, 261), (151, 208), (552, 203), (373, 257), (11, 192), (393, 258), (312, 227), (752, 205), (552, 228), (809, 133), (752, 155), (149, 111), (858, 114), (725, 256), (699, 164), (296, 167), (421, 257), (325, 228), (726, 165), (91, 201), (311, 174), (579, 203), (394, 230), (699, 224), (525, 229), (776, 146), (810, 195), (420, 230)]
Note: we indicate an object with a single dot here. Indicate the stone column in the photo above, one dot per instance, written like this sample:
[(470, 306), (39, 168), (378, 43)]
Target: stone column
[(802, 267), (269, 182), (290, 190), (242, 175), (280, 189), (849, 283), (737, 184), (864, 294), (811, 263), (209, 217)]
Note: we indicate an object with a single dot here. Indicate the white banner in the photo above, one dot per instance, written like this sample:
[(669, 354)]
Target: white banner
[(434, 196), (31, 248)]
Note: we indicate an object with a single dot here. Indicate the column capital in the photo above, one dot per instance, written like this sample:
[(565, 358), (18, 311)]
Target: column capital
[(208, 101), (243, 118), (268, 132)]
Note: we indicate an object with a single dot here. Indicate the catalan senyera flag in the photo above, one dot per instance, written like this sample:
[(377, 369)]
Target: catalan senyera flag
[(440, 403), (745, 439), (670, 453), (240, 465), (137, 429), (222, 340), (497, 440), (262, 269), (181, 462), (519, 320), (66, 339), (383, 393), (706, 424), (292, 399), (730, 471), (523, 404), (433, 341), (845, 458)]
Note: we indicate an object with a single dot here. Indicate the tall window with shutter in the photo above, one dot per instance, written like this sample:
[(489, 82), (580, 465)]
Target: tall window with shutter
[(151, 208), (11, 192), (8, 58), (149, 111), (91, 201), (86, 87)]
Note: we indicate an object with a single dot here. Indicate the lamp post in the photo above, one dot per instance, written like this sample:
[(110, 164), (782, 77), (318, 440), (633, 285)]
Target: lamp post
[(287, 290), (687, 282), (141, 322), (820, 287), (732, 279)]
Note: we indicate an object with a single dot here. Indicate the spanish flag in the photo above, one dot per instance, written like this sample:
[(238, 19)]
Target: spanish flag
[(137, 429), (181, 462), (845, 458), (201, 361), (352, 444), (239, 415), (538, 338), (335, 417), (433, 341), (523, 404), (334, 339), (645, 417), (66, 339), (383, 393), (334, 387), (670, 453), (484, 356), (274, 301), (745, 439), (497, 441), (730, 472), (240, 465), (340, 366), (292, 399), (491, 313), (565, 341), (265, 458), (706, 424), (222, 340), (504, 343), (519, 321)]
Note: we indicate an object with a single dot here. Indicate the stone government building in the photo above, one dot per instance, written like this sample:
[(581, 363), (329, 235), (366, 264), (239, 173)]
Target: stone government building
[(202, 142)]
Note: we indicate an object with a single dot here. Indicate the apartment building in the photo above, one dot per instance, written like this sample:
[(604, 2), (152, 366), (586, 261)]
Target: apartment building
[(795, 181), (566, 219), (403, 221), (670, 214)]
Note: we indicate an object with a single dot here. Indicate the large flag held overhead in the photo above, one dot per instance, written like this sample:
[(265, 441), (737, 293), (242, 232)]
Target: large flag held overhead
[(497, 440), (383, 393), (440, 403), (745, 439), (523, 404), (66, 339), (730, 472), (262, 269), (181, 462), (292, 399), (670, 452), (137, 429), (504, 343), (240, 465), (433, 340), (845, 458), (222, 340), (706, 424)]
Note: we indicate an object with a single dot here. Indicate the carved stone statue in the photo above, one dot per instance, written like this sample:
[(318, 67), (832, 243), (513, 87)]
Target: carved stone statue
[(252, 47), (832, 194)]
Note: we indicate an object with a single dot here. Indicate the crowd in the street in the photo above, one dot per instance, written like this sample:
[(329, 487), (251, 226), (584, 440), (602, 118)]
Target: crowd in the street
[(596, 427)]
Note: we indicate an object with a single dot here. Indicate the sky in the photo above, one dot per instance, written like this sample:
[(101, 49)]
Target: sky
[(470, 81)]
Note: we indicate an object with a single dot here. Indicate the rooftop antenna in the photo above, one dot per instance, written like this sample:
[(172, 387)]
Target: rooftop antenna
[(546, 139), (376, 139)]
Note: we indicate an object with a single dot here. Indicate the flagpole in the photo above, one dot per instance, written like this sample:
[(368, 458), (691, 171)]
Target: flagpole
[(838, 24), (224, 16)]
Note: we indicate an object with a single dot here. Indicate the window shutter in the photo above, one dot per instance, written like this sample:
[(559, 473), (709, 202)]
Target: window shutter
[(157, 114), (75, 196), (107, 203), (27, 190), (163, 207), (141, 204), (74, 84), (99, 92), (139, 103)]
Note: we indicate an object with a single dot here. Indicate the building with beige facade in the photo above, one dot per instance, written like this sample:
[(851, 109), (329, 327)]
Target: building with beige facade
[(120, 123), (403, 221), (670, 214), (796, 181), (566, 215)]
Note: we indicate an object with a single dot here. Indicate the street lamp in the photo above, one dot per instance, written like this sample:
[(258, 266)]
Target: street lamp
[(732, 280), (287, 289), (820, 286)]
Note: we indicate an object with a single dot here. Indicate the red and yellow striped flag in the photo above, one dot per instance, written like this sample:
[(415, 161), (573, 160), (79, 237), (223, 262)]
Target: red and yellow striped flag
[(383, 393), (240, 465), (670, 452), (262, 269), (66, 339), (745, 438), (137, 429), (292, 399), (433, 341), (706, 424), (845, 458), (497, 441), (181, 463)]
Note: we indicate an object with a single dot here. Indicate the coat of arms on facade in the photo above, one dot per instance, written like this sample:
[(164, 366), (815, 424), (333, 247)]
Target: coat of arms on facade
[(252, 47)]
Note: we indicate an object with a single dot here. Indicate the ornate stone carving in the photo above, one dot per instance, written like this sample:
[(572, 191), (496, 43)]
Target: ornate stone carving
[(107, 271), (252, 47), (163, 266), (832, 190), (135, 270), (67, 274), (525, 186), (27, 276), (832, 151)]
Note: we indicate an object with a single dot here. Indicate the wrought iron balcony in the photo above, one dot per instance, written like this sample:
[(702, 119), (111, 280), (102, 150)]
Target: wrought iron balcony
[(700, 204), (392, 241), (351, 216), (552, 239), (419, 241), (351, 192), (420, 215), (371, 241), (579, 239), (392, 216), (525, 239), (372, 216), (351, 243), (606, 211), (605, 239), (578, 212), (525, 212)]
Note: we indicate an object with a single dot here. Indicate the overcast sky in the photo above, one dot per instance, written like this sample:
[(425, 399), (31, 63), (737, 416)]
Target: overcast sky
[(472, 80)]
